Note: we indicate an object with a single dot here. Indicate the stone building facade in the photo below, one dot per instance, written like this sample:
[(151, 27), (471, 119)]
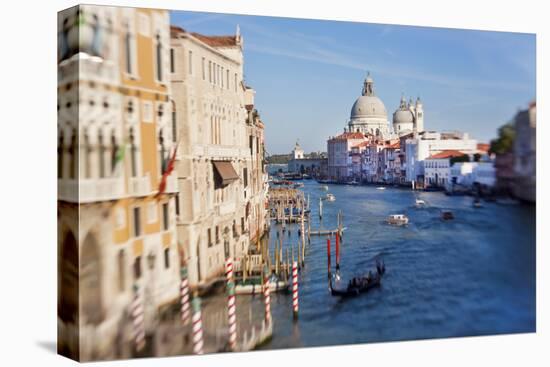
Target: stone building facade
[(220, 156)]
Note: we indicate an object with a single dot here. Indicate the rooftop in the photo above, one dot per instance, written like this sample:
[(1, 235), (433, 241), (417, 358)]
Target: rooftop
[(349, 135), (447, 154)]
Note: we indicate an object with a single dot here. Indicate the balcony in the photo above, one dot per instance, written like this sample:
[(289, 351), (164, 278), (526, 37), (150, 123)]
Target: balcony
[(90, 190), (172, 184), (140, 186)]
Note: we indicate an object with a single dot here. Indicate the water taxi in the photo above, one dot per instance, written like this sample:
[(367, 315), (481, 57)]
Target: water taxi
[(398, 219), (330, 197), (420, 203)]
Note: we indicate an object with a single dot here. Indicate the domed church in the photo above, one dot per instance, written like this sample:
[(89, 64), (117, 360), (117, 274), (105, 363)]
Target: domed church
[(369, 116), (408, 117)]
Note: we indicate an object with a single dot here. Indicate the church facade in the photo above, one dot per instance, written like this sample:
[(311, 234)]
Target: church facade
[(369, 116)]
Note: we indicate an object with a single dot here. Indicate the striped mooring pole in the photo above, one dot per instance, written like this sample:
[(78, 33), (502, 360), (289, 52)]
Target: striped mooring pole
[(267, 297), (197, 325), (138, 320), (337, 251), (231, 316), (328, 254), (184, 293), (295, 289)]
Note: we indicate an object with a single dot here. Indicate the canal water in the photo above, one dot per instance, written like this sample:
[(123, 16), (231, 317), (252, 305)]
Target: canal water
[(474, 275)]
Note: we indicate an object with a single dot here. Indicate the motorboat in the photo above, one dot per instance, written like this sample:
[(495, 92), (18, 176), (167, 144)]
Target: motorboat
[(330, 197), (420, 203), (380, 188), (398, 219), (447, 215), (477, 203), (324, 187), (353, 183)]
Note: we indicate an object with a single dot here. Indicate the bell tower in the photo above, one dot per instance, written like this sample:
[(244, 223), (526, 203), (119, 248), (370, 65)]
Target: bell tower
[(368, 86), (418, 116)]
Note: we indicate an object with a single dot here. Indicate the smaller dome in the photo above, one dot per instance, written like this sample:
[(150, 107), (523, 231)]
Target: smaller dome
[(402, 117)]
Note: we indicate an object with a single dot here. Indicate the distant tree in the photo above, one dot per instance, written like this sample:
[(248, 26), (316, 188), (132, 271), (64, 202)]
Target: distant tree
[(462, 158), (504, 143)]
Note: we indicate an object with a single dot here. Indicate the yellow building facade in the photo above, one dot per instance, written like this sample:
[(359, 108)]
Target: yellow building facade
[(116, 230)]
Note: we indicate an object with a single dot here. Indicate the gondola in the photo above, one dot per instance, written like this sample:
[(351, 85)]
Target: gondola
[(361, 284)]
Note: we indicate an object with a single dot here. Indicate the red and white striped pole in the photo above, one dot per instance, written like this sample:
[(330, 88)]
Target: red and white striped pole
[(138, 320), (337, 251), (197, 325), (328, 254), (267, 297), (295, 289), (231, 316), (184, 293)]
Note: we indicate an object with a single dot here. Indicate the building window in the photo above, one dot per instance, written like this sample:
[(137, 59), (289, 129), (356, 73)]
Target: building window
[(172, 61), (222, 77), (227, 79), (101, 153), (137, 221), (121, 271), (167, 258), (114, 152), (137, 267), (217, 234), (133, 153), (159, 58), (245, 176), (174, 124), (209, 235), (165, 218), (60, 156), (128, 50), (190, 62), (235, 82), (210, 71), (251, 144), (162, 154), (87, 152), (177, 204), (73, 149), (203, 67), (242, 224)]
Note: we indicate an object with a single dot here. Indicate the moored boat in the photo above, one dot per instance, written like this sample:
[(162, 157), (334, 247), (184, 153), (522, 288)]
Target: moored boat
[(420, 203), (398, 219), (330, 197)]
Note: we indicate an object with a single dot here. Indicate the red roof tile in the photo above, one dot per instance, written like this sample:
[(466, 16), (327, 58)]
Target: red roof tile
[(217, 41), (447, 154), (349, 135)]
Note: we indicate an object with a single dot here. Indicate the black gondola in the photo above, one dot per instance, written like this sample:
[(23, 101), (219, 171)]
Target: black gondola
[(362, 284)]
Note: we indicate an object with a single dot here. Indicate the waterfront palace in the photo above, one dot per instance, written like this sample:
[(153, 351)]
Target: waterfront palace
[(160, 163)]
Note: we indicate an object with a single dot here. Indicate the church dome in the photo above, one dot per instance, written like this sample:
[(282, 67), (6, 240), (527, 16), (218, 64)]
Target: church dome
[(402, 117), (368, 106)]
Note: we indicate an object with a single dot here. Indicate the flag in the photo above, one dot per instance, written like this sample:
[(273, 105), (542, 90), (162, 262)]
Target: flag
[(169, 168), (119, 156)]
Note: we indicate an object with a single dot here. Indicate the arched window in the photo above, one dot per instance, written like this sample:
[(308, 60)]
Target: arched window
[(101, 154), (74, 156), (162, 153), (159, 58), (133, 153), (114, 152), (87, 152)]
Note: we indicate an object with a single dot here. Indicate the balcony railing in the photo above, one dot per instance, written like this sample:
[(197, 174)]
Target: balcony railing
[(90, 190), (140, 186)]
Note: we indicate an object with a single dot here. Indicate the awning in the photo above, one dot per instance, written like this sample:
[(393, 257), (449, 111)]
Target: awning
[(224, 173)]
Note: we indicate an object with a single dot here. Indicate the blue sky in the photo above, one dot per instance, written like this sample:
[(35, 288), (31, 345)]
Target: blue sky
[(308, 73)]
